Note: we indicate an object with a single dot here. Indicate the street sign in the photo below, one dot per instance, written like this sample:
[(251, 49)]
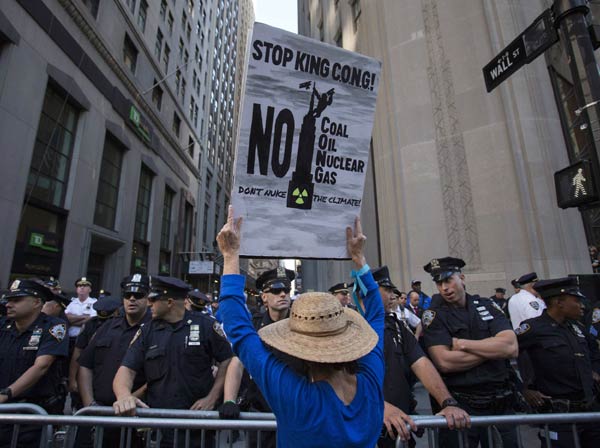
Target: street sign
[(532, 42), (575, 185), (201, 267)]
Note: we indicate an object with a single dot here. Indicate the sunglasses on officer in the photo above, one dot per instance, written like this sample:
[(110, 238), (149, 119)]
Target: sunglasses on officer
[(134, 296), (278, 291)]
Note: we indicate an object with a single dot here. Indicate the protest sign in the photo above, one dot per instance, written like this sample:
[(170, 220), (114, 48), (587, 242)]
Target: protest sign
[(303, 144)]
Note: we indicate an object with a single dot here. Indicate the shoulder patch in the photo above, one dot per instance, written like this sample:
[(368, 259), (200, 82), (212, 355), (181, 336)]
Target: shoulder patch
[(218, 328), (58, 331), (428, 317), (534, 305), (596, 315), (522, 329), (136, 336)]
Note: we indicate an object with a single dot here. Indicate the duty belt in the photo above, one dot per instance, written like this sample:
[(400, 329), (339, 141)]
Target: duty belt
[(562, 405), (495, 402)]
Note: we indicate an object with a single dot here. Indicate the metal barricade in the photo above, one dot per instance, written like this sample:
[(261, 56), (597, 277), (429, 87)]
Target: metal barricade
[(432, 424), (26, 408), (249, 422)]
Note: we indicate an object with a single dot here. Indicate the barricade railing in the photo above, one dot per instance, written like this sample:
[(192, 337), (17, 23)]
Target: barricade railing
[(182, 422), (156, 413), (432, 424), (26, 408)]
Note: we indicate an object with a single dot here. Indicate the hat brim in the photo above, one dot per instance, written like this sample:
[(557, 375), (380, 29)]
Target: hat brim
[(356, 341), (386, 284), (441, 276), (11, 295)]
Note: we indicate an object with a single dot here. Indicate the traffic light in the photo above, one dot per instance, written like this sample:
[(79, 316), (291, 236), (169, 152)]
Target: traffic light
[(575, 185)]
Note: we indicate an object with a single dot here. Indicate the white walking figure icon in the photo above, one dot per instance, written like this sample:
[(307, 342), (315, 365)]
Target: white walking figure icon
[(578, 181)]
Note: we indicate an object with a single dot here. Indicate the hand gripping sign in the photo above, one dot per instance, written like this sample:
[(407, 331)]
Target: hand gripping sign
[(303, 144)]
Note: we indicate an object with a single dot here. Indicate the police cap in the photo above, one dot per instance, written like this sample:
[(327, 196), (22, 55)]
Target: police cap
[(515, 283), (62, 300), (557, 287), (340, 287), (30, 287), (136, 283), (198, 298), (275, 278), (168, 287), (443, 268), (527, 278), (106, 306), (381, 275), (52, 283), (501, 290), (83, 281)]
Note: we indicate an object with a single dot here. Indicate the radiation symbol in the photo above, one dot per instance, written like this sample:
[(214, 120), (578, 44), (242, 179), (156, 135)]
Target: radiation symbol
[(296, 193)]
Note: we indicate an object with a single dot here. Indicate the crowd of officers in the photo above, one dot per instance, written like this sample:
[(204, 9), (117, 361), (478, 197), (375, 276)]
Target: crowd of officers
[(160, 344)]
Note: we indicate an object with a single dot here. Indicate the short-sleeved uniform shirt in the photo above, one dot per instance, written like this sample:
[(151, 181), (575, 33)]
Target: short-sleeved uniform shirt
[(562, 355), (106, 351), (79, 308), (400, 351), (177, 358), (524, 305), (18, 352), (481, 318)]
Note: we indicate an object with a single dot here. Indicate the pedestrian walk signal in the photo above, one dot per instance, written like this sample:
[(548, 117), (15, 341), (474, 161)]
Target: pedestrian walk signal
[(575, 185)]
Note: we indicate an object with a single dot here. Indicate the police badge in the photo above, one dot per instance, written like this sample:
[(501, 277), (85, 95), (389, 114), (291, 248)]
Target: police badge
[(428, 317), (58, 331), (534, 305), (596, 315)]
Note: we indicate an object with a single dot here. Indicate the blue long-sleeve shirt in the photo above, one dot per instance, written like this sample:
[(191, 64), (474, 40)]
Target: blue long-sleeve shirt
[(310, 414)]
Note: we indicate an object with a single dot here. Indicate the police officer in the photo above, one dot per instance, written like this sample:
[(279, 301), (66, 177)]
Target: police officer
[(525, 304), (404, 359), (175, 352), (470, 341), (341, 291), (500, 299), (30, 343), (104, 308), (102, 357), (565, 360), (275, 285), (198, 302)]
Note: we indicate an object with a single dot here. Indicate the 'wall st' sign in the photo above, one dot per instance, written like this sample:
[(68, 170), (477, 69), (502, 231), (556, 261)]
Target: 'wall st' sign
[(532, 42)]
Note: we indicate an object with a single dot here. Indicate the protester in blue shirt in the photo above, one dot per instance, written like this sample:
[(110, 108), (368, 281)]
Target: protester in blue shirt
[(424, 299), (340, 401)]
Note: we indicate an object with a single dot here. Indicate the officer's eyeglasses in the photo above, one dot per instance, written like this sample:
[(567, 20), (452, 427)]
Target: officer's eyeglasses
[(278, 291), (134, 295)]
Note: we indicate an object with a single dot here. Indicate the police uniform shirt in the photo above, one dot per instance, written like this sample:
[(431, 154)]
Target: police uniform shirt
[(562, 355), (177, 358), (106, 351), (524, 305), (400, 351), (88, 330), (479, 319), (79, 308), (18, 352)]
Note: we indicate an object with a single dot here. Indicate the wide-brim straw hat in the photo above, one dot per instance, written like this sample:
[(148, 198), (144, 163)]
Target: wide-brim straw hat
[(320, 329)]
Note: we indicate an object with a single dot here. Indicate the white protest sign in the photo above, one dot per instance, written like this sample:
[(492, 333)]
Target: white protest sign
[(303, 145)]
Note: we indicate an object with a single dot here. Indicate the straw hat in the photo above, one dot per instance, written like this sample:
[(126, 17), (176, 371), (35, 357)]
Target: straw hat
[(320, 329)]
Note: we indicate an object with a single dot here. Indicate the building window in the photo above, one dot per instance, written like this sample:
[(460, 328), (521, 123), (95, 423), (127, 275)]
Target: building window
[(165, 231), (192, 103), (183, 20), (183, 86), (356, 11), (130, 54), (321, 31), (166, 57), (188, 225), (180, 48), (191, 145), (108, 186), (170, 21), (131, 4), (157, 94), (205, 223), (51, 161), (186, 57), (339, 41), (195, 119), (177, 82), (142, 213), (163, 9), (158, 45), (142, 14), (176, 124), (188, 32), (92, 6), (139, 257)]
